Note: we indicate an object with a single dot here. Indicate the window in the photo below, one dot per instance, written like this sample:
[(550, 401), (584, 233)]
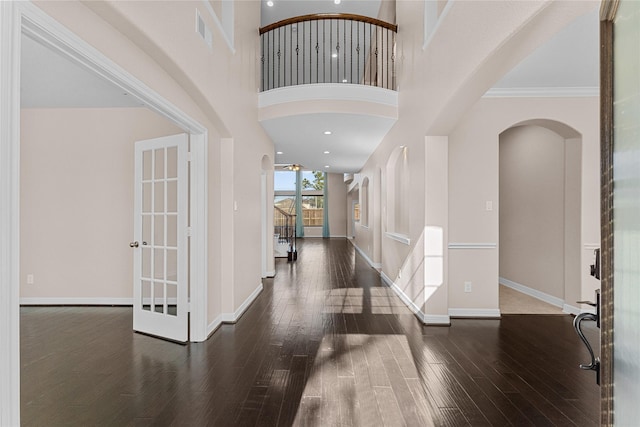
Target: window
[(312, 198), (312, 210), (312, 195), (286, 203), (284, 181)]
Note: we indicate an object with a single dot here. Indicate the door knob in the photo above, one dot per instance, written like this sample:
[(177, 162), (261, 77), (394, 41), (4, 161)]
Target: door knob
[(134, 244)]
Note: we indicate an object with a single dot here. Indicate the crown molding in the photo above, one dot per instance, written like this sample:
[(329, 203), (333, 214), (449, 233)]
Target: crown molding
[(542, 92)]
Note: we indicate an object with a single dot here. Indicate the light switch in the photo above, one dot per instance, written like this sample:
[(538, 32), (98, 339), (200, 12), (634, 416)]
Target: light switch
[(488, 205)]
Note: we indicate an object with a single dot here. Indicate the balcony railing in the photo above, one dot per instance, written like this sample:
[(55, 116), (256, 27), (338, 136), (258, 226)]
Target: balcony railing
[(328, 48), (284, 224)]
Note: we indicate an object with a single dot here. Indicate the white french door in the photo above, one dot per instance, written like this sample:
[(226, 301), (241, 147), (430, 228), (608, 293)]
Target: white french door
[(160, 272)]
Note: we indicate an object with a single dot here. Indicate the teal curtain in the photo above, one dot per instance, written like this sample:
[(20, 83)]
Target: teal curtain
[(325, 209), (299, 223)]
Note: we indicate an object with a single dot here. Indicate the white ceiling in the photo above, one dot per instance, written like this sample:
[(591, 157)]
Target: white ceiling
[(302, 140), (570, 59), (49, 80), (283, 9)]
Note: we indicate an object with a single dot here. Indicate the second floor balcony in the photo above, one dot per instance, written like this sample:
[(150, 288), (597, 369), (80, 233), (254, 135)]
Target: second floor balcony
[(328, 89), (328, 48)]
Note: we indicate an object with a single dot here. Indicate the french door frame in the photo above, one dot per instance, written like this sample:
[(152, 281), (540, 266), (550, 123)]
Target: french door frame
[(24, 17), (607, 14)]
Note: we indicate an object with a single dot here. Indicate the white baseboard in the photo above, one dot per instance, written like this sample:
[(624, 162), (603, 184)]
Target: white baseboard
[(437, 320), (474, 312), (233, 317), (75, 301), (236, 315), (213, 326), (405, 299), (550, 299), (424, 318), (366, 257), (271, 273), (569, 309)]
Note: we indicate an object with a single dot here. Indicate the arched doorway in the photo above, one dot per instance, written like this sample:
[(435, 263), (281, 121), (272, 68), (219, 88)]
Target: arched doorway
[(540, 218)]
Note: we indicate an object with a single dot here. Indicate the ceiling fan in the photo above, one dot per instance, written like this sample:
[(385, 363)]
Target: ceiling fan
[(293, 167)]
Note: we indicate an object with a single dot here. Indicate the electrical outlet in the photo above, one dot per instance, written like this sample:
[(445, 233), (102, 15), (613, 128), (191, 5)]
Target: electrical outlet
[(399, 273), (467, 286), (29, 279)]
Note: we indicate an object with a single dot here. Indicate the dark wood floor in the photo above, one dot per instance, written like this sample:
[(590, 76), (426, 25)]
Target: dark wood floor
[(325, 344)]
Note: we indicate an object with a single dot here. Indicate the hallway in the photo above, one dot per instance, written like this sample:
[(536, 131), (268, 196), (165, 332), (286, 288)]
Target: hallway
[(326, 343)]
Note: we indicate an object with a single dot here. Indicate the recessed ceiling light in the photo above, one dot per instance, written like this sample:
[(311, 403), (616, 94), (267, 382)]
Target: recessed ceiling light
[(278, 152), (344, 80), (326, 152), (327, 132), (334, 55), (327, 166), (270, 3), (337, 1)]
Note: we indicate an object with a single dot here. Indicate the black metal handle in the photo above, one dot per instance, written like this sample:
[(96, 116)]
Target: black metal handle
[(591, 303), (595, 362)]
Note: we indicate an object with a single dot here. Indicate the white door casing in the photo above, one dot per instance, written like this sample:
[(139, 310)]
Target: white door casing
[(160, 269), (25, 17)]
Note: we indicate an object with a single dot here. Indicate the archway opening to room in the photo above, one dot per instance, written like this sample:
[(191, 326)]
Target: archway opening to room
[(540, 218)]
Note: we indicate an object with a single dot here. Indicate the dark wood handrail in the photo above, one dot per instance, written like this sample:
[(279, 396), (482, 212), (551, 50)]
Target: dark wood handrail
[(319, 16)]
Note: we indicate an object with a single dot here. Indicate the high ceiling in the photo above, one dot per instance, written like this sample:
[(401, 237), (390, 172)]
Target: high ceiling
[(283, 9), (571, 59), (568, 60)]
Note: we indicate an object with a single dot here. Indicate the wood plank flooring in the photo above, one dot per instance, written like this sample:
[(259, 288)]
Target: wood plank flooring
[(325, 344)]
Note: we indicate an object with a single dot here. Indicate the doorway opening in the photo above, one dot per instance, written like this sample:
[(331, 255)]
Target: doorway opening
[(17, 18), (540, 218), (77, 137)]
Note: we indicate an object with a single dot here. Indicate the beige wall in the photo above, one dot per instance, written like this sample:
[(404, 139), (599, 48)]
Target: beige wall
[(337, 205), (574, 266), (540, 211), (473, 180), (439, 95), (76, 194), (353, 195), (532, 217), (201, 81)]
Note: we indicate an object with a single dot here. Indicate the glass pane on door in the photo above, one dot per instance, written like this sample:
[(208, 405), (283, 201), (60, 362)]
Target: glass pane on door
[(160, 227)]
